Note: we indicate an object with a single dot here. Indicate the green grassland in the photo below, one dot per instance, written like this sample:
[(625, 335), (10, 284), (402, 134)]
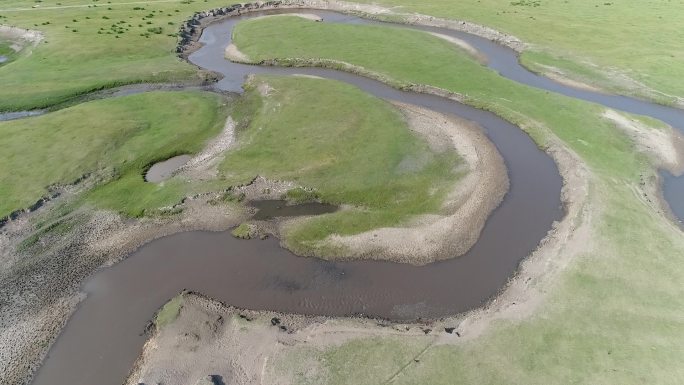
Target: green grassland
[(99, 45), (349, 147), (8, 53), (169, 312), (642, 40), (345, 144), (615, 316), (119, 137)]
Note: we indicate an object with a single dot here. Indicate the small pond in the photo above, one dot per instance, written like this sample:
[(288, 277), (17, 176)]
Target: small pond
[(164, 170)]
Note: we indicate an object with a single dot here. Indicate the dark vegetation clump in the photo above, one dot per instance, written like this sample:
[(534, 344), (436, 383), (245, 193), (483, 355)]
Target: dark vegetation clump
[(302, 195), (526, 3)]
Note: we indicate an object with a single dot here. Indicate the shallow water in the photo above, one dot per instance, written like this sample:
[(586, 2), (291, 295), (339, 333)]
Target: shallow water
[(19, 114), (104, 336), (673, 192), (162, 171)]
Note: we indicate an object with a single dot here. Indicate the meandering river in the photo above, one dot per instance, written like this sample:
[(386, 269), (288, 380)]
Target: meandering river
[(104, 336)]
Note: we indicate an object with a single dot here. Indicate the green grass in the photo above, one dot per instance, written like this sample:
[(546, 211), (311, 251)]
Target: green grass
[(169, 312), (354, 362), (103, 52), (119, 137), (242, 231), (345, 144), (639, 39), (301, 195), (8, 53), (615, 315), (418, 58)]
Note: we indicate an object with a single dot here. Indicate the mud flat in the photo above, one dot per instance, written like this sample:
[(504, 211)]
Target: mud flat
[(208, 341), (59, 265)]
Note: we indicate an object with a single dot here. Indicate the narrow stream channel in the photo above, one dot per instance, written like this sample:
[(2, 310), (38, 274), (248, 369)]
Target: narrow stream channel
[(104, 336)]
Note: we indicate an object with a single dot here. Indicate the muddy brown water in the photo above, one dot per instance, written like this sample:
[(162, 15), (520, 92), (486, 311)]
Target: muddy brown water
[(268, 209), (104, 336), (163, 170)]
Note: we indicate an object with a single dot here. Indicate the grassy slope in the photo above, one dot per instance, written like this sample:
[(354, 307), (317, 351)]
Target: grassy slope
[(67, 63), (122, 134), (641, 39), (616, 316), (347, 145)]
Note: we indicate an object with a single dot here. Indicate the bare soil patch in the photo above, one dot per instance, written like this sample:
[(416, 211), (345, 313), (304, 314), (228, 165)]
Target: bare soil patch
[(234, 54), (40, 284), (204, 165), (664, 146), (19, 37), (472, 51)]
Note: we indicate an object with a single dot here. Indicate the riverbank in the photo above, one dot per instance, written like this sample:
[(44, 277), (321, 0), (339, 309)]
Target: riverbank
[(48, 273)]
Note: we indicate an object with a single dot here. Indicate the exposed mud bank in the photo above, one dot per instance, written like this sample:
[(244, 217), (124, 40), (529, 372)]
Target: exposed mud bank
[(204, 165), (211, 340), (664, 147), (47, 274), (20, 38)]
